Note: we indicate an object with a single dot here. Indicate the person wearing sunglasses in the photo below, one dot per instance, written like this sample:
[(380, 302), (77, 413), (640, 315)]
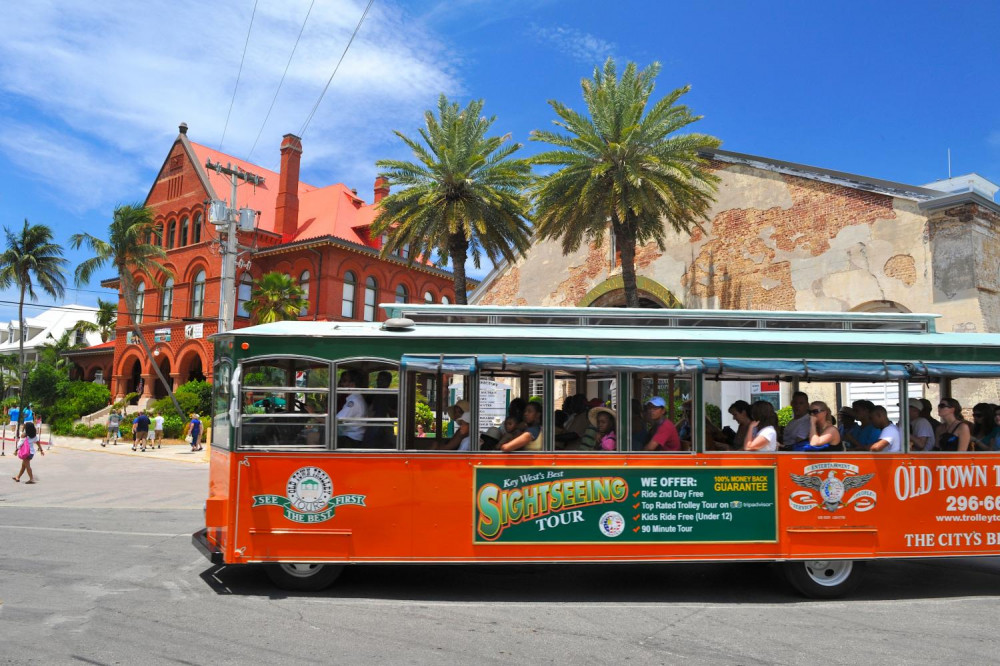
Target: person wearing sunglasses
[(954, 433), (823, 435)]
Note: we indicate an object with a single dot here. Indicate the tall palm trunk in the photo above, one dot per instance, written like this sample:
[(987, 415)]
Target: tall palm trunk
[(20, 362), (128, 291), (458, 249), (626, 246)]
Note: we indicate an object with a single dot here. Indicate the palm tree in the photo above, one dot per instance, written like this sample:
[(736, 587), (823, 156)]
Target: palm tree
[(624, 168), (275, 297), (31, 257), (107, 319), (464, 193), (129, 251)]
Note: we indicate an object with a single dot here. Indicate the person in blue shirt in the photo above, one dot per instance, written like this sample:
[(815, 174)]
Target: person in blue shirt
[(140, 429), (867, 433), (194, 429), (29, 416)]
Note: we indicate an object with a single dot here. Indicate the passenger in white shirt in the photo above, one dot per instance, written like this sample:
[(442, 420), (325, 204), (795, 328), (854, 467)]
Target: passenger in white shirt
[(762, 435), (351, 434), (889, 440), (921, 431), (798, 429)]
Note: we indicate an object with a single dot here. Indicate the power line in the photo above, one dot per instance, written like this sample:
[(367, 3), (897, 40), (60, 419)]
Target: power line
[(238, 74), (309, 118), (287, 65)]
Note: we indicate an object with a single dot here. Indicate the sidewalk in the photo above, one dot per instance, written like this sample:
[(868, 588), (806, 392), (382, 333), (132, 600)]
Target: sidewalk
[(173, 449)]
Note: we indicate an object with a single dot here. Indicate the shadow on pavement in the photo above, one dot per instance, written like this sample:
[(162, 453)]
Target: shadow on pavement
[(721, 583)]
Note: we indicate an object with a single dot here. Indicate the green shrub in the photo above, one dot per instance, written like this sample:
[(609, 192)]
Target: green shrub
[(785, 416), (173, 426), (714, 414), (423, 416), (126, 429)]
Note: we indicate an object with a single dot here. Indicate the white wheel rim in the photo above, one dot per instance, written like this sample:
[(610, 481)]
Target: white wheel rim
[(300, 569), (829, 573)]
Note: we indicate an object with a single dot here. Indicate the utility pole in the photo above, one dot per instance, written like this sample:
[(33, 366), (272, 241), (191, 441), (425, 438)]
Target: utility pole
[(226, 218)]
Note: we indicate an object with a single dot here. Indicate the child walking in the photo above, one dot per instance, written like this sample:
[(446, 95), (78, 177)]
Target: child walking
[(26, 452)]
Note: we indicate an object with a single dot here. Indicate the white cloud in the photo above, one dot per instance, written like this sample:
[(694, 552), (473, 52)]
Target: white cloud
[(576, 44), (107, 83)]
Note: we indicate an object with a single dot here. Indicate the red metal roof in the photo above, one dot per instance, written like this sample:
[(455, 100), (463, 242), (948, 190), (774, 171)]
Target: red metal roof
[(323, 211)]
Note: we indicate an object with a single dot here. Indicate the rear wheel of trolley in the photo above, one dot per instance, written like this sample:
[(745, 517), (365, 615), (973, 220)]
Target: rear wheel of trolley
[(303, 576), (824, 579)]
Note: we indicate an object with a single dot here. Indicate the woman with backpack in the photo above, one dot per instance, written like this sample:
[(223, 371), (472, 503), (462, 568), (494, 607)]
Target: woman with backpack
[(26, 451)]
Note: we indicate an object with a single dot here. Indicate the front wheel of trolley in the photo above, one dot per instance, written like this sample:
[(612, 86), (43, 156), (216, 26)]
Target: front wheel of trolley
[(303, 576), (824, 579)]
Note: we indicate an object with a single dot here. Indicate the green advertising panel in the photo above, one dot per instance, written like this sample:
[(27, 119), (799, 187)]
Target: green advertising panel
[(633, 504)]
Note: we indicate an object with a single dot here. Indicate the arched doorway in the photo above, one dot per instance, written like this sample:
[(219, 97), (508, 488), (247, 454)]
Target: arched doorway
[(134, 382), (611, 294), (158, 390)]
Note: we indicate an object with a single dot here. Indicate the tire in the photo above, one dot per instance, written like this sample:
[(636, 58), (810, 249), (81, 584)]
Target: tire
[(303, 576), (824, 579)]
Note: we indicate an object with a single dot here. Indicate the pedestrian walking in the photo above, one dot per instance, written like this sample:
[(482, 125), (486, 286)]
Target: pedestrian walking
[(140, 426), (26, 451), (193, 430), (157, 431), (114, 428)]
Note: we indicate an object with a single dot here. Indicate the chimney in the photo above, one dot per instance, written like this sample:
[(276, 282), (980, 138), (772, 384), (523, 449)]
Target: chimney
[(286, 209), (381, 188), (183, 128)]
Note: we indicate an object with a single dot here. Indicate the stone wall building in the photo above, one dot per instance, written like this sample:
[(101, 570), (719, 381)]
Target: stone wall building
[(785, 236)]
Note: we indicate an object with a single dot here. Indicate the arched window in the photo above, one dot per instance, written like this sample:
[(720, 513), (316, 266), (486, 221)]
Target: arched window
[(445, 300), (184, 232), (198, 295), (428, 297), (371, 297), (243, 295), (140, 302), (350, 284), (402, 295), (196, 229), (167, 307), (304, 283), (171, 231)]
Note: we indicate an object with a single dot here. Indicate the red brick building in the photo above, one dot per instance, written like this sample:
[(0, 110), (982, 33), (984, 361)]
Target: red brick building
[(318, 235)]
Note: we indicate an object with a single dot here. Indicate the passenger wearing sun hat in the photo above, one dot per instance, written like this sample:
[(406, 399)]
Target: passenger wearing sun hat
[(604, 427), (665, 437), (921, 431)]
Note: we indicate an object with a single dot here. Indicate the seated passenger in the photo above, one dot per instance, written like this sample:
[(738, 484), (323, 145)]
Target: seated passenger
[(354, 408), (604, 422), (889, 439), (921, 432), (867, 432), (488, 440), (531, 438), (982, 425), (763, 432), (797, 430), (993, 441), (575, 407), (664, 433), (847, 424), (823, 435), (954, 433), (740, 411), (460, 440), (928, 413)]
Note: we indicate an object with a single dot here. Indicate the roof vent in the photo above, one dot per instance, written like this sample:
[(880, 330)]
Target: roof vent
[(398, 324)]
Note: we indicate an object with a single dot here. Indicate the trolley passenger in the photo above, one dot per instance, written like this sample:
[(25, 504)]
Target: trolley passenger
[(531, 438)]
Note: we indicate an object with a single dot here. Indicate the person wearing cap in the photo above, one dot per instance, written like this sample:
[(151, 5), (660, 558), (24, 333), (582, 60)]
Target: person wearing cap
[(665, 437), (921, 431)]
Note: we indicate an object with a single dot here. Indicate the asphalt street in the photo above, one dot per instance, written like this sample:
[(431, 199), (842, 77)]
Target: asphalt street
[(97, 567)]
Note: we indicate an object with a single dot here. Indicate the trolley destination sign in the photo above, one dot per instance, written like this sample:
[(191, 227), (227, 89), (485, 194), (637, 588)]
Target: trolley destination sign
[(621, 504)]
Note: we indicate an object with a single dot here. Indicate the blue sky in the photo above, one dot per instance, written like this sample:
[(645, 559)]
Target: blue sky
[(91, 93)]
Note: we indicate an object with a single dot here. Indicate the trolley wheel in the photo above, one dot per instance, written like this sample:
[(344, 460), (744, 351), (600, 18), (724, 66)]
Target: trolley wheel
[(302, 575), (824, 579)]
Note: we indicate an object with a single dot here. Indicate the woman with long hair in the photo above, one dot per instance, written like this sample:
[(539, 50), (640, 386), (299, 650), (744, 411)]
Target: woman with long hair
[(982, 424), (954, 433), (31, 435), (823, 435), (763, 432)]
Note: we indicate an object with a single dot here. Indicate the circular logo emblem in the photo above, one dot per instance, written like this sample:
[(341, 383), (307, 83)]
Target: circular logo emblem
[(832, 490), (309, 489), (612, 524)]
